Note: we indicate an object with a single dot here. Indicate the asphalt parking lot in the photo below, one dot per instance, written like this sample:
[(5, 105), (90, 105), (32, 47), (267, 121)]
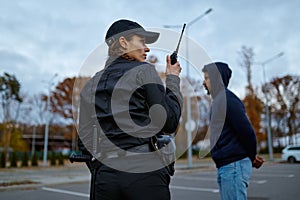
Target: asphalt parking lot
[(274, 180)]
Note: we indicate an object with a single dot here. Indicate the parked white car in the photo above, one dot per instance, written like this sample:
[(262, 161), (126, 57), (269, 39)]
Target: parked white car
[(291, 153)]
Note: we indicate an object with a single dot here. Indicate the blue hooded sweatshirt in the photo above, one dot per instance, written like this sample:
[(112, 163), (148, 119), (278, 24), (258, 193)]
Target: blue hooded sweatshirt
[(232, 135)]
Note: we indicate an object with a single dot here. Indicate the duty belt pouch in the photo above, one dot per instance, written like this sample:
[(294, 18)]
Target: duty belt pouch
[(164, 145)]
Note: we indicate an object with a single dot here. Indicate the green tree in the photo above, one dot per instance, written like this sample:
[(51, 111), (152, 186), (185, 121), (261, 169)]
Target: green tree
[(9, 94)]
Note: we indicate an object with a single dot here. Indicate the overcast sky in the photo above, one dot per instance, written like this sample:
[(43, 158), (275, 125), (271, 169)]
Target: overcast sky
[(41, 38)]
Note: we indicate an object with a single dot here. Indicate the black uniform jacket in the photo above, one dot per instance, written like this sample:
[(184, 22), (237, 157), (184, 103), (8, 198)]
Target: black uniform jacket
[(129, 103)]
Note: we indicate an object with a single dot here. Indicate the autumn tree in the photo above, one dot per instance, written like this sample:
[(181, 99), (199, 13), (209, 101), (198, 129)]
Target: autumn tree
[(65, 102), (253, 105), (78, 86), (61, 98), (285, 101), (65, 98), (61, 103)]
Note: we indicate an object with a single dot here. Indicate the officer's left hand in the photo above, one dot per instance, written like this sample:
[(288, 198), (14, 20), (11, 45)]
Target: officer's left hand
[(172, 69)]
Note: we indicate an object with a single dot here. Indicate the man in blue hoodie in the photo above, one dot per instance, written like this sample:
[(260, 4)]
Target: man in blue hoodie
[(233, 140)]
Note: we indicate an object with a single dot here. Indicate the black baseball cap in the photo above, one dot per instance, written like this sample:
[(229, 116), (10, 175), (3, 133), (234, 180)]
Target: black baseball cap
[(124, 27)]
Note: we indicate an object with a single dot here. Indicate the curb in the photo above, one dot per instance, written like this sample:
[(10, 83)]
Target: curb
[(35, 185)]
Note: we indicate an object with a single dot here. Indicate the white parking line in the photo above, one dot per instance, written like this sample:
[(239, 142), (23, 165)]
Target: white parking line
[(259, 181), (195, 178), (172, 187), (213, 179), (65, 192), (194, 189), (275, 175)]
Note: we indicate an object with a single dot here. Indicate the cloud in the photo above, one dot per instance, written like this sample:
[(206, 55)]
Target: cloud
[(38, 39)]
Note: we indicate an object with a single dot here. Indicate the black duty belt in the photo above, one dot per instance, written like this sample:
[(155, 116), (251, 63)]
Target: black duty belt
[(132, 151)]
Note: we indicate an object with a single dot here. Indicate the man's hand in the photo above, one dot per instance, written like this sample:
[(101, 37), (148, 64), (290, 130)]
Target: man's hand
[(257, 163), (172, 69)]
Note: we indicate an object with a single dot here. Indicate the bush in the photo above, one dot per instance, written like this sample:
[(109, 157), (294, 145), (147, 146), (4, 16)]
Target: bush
[(60, 159), (2, 160), (278, 149), (264, 150), (53, 159), (24, 159), (13, 160), (34, 159)]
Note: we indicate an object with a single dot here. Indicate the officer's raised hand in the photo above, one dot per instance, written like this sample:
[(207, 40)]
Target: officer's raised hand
[(172, 69)]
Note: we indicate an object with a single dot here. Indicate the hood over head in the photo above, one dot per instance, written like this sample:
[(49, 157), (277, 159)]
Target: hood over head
[(219, 74), (225, 72)]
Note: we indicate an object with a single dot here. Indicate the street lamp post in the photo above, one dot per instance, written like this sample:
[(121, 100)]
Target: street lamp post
[(50, 83), (188, 97), (33, 140), (270, 146)]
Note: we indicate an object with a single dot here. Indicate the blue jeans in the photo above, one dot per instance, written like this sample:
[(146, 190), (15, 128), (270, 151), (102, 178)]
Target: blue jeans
[(233, 179)]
